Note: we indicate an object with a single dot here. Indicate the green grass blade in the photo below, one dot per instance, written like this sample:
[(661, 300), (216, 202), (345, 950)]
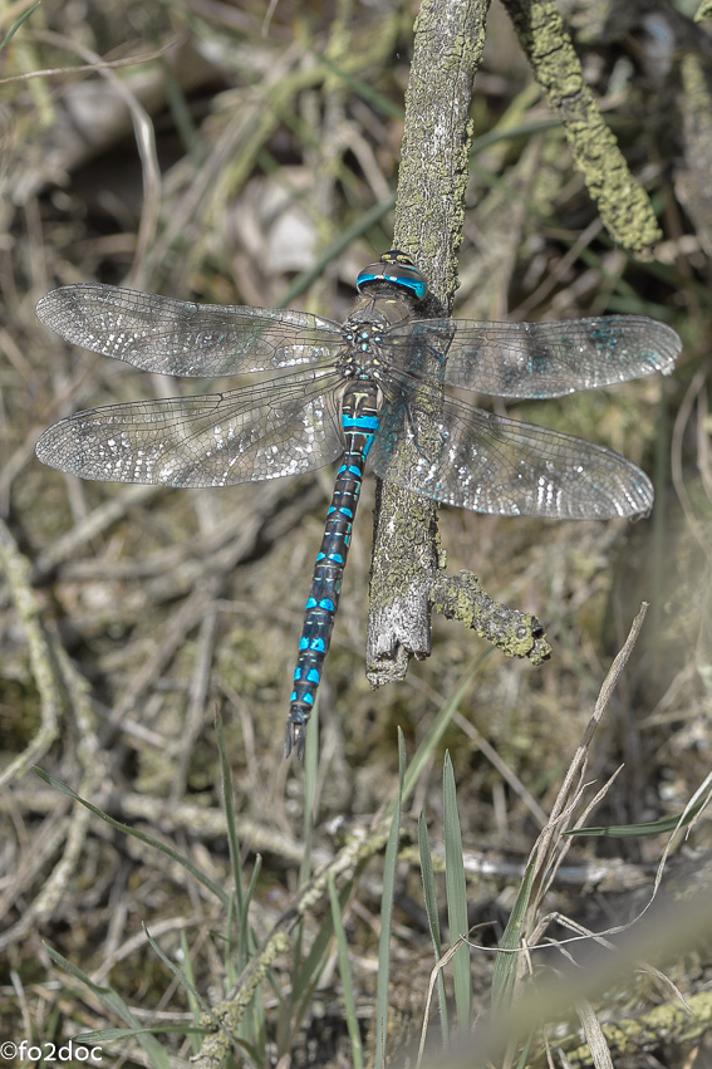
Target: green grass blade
[(142, 836), (647, 827), (109, 1035), (177, 971), (438, 728), (229, 808), (379, 101), (390, 863), (345, 971), (431, 909), (182, 117), (307, 976), (506, 965), (157, 1057), (364, 222), (18, 23), (194, 1003), (237, 957), (456, 892)]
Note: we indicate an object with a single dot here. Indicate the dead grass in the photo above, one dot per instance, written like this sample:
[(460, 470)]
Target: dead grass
[(243, 165)]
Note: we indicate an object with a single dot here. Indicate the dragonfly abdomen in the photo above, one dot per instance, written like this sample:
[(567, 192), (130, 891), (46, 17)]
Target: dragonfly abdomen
[(359, 421)]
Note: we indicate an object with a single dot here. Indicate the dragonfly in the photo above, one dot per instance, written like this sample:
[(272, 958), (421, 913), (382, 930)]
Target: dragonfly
[(386, 384)]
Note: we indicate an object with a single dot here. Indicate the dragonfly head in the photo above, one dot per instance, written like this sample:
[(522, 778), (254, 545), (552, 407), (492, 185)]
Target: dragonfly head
[(398, 269)]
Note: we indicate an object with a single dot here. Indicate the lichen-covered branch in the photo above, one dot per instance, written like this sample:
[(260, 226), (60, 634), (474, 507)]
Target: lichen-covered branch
[(692, 181), (623, 204), (17, 573), (516, 633), (406, 580), (672, 1022), (448, 46), (223, 1019)]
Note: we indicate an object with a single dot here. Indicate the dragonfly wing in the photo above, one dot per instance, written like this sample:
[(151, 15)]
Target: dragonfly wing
[(283, 427), (497, 465), (182, 338), (539, 359)]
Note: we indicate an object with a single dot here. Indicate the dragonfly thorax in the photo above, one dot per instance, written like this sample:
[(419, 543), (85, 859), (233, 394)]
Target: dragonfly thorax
[(362, 358)]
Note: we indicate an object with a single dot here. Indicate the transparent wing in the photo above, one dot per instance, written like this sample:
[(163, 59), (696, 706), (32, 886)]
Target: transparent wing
[(538, 359), (264, 431), (182, 338), (497, 465)]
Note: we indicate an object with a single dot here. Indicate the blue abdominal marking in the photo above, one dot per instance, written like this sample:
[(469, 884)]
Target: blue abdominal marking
[(313, 675), (358, 472), (362, 423), (323, 603), (379, 386)]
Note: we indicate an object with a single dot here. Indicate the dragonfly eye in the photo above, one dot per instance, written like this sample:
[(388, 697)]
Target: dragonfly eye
[(398, 269)]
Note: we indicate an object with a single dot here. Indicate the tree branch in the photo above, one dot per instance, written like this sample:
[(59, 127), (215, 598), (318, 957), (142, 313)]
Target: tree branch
[(406, 579), (624, 206)]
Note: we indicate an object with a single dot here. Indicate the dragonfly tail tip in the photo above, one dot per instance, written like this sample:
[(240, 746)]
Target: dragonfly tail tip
[(294, 740)]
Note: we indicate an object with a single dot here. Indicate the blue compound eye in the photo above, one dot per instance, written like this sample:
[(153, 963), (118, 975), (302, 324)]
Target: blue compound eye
[(398, 269)]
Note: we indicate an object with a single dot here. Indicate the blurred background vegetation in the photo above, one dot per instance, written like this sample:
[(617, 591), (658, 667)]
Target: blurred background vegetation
[(240, 154)]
